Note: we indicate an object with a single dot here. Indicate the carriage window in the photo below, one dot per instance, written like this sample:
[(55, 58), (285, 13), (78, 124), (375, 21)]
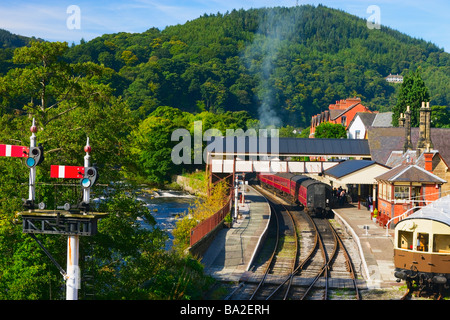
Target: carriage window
[(405, 240), (422, 242), (441, 243)]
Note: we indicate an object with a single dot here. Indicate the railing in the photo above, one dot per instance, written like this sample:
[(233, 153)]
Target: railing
[(204, 227)]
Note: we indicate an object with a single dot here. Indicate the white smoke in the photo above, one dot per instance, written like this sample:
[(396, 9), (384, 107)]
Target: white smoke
[(261, 56)]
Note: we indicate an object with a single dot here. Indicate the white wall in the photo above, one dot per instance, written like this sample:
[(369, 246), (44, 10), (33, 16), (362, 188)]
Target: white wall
[(355, 126)]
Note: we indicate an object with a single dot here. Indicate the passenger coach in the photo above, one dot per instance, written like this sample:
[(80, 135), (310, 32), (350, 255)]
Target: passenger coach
[(314, 196), (422, 246)]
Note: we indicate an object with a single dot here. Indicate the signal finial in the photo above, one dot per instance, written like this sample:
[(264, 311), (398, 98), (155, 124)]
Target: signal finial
[(87, 148), (33, 127)]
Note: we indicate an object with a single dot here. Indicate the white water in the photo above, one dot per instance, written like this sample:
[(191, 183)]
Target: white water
[(165, 206)]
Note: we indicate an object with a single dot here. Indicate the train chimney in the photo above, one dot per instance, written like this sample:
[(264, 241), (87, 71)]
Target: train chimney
[(408, 145)]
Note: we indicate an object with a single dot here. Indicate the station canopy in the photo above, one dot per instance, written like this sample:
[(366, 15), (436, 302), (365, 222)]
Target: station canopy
[(274, 155), (269, 146)]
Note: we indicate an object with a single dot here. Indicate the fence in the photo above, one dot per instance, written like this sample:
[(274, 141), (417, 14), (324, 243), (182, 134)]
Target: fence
[(204, 227)]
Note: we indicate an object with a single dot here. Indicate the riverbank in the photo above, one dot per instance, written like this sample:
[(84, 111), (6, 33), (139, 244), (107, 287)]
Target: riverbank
[(193, 183)]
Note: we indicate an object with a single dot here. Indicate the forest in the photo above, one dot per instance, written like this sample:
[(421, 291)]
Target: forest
[(290, 63), (129, 92)]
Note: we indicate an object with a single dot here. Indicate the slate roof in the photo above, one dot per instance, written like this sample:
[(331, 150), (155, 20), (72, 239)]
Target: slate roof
[(383, 119), (366, 118), (292, 146), (384, 140), (409, 173), (398, 157), (346, 167)]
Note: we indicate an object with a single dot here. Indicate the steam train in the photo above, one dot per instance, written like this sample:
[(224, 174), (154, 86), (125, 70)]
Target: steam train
[(422, 247), (315, 196)]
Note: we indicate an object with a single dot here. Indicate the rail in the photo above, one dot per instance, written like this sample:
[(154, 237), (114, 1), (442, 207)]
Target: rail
[(207, 225)]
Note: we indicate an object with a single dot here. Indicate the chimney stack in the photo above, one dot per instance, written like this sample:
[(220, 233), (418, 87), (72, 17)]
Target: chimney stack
[(401, 120), (408, 144), (424, 128), (428, 159), (428, 126)]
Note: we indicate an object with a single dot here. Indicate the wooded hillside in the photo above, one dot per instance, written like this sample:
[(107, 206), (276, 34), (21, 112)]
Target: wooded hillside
[(289, 62)]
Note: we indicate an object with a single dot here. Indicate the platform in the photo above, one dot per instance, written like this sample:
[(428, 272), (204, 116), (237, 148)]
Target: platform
[(376, 249), (233, 249)]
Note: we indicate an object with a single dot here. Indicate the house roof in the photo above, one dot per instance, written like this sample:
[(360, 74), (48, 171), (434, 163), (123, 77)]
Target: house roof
[(366, 118), (334, 115), (398, 157), (383, 119), (384, 140), (409, 173)]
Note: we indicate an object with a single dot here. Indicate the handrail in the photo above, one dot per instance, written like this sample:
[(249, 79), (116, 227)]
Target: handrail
[(208, 224), (399, 217)]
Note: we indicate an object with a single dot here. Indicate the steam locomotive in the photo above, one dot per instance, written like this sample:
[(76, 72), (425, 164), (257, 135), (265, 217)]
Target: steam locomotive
[(316, 197)]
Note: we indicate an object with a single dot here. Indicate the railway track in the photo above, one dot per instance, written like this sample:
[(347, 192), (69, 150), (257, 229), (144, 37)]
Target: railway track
[(302, 255)]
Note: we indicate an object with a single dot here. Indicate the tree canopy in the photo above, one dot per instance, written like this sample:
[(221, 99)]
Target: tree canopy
[(412, 93)]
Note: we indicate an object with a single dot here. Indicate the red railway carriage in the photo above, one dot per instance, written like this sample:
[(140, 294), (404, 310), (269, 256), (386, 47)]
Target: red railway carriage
[(313, 195)]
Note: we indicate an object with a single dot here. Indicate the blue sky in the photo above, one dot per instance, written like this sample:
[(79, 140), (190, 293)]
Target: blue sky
[(47, 19)]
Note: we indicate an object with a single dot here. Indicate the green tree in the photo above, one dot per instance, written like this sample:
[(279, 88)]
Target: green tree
[(440, 117), (69, 102), (330, 130), (412, 93)]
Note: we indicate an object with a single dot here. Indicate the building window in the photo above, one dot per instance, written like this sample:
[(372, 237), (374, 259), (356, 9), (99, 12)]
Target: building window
[(401, 192), (344, 121), (357, 134)]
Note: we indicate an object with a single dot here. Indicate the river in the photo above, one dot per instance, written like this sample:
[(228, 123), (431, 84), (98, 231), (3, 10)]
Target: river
[(165, 206)]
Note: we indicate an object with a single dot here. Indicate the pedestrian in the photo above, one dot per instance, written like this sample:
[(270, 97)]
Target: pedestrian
[(342, 197)]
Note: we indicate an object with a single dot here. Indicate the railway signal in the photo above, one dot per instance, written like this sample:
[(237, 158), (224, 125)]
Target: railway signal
[(73, 223), (90, 177), (7, 150), (66, 172), (35, 156)]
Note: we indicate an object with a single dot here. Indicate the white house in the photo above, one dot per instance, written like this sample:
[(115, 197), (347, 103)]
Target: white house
[(363, 120), (359, 124)]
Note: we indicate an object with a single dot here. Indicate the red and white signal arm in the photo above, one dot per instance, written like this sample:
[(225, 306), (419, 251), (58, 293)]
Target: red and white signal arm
[(66, 172), (7, 150)]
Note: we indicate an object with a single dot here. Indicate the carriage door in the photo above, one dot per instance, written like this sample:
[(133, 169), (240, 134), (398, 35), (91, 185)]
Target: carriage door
[(319, 196)]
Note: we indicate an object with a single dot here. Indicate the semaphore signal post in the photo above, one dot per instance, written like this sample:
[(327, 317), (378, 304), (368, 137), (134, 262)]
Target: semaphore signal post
[(73, 220)]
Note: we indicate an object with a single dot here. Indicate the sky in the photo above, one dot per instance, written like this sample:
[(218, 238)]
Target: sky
[(72, 20)]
